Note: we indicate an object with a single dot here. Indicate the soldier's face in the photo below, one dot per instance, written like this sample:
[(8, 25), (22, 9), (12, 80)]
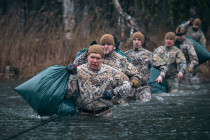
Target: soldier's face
[(180, 38), (94, 61), (169, 42), (196, 27), (108, 49), (137, 43)]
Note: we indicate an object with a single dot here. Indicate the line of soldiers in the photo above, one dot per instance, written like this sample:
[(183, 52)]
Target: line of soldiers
[(101, 78)]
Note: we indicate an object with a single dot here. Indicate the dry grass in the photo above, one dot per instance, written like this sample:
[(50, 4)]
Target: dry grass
[(36, 46)]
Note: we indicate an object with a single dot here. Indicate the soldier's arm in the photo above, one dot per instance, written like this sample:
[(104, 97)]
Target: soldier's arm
[(185, 25), (181, 61), (159, 64), (122, 87), (73, 87), (132, 72), (202, 40), (192, 56)]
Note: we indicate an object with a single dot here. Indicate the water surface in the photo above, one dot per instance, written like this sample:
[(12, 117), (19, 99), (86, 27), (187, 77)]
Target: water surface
[(185, 115)]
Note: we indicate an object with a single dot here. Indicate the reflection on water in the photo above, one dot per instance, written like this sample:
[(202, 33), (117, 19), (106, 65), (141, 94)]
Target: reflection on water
[(178, 116)]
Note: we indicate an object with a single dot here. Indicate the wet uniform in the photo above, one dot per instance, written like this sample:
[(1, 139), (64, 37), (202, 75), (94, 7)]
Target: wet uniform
[(89, 86), (196, 35), (175, 61), (119, 62), (143, 60)]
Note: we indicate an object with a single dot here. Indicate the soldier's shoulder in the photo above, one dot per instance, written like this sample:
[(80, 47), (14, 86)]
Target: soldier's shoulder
[(105, 67), (147, 52), (129, 51), (82, 66), (175, 49), (160, 48), (187, 41), (120, 56)]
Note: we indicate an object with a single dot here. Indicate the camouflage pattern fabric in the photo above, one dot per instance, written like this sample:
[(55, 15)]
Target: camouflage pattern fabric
[(188, 50), (176, 63), (173, 85), (81, 59), (196, 35), (143, 60), (142, 93), (90, 85), (121, 63), (118, 62)]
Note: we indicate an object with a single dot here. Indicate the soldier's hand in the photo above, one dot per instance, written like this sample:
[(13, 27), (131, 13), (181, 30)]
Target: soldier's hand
[(190, 69), (134, 83), (190, 21), (159, 79), (108, 94), (72, 68), (180, 75)]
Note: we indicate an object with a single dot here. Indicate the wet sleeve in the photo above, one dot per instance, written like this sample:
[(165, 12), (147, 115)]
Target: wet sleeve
[(122, 86), (132, 72), (192, 56), (72, 86), (203, 40), (181, 61), (159, 64)]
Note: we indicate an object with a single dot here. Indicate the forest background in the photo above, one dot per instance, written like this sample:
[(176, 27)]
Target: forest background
[(36, 34)]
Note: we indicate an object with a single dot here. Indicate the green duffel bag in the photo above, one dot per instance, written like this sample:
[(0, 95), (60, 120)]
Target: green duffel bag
[(202, 53), (45, 92), (156, 87)]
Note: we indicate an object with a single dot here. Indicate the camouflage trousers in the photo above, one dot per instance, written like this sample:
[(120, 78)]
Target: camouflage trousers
[(141, 94), (172, 85)]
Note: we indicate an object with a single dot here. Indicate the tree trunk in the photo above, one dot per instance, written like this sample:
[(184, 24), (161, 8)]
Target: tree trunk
[(131, 22), (68, 16)]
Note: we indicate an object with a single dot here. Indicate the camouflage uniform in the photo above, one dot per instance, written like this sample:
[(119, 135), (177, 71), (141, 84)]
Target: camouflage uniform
[(90, 85), (119, 62), (175, 61), (186, 46), (188, 50), (82, 59), (196, 35), (143, 60)]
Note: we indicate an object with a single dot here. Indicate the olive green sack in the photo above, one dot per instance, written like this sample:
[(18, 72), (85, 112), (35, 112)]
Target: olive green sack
[(45, 92)]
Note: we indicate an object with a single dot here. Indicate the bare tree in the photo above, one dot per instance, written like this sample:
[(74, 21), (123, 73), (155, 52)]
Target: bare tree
[(68, 15), (131, 22)]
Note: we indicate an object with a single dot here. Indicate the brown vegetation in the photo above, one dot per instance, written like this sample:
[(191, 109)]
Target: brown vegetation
[(36, 46)]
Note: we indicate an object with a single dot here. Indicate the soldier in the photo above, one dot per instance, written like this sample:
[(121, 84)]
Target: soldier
[(95, 84), (193, 30), (188, 50), (116, 61), (175, 61), (143, 60)]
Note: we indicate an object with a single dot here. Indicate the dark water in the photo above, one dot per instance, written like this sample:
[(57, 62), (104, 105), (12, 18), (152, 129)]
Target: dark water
[(181, 116)]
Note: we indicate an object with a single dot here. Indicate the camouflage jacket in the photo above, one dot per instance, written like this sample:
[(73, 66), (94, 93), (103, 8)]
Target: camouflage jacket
[(90, 85), (116, 61), (143, 60), (174, 59), (188, 50), (196, 35)]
